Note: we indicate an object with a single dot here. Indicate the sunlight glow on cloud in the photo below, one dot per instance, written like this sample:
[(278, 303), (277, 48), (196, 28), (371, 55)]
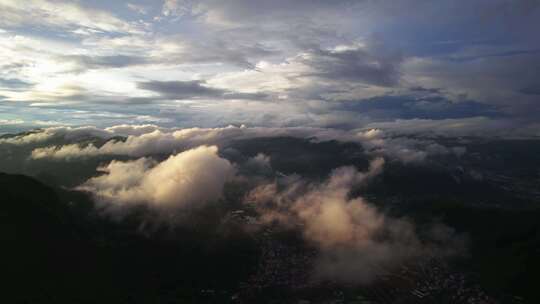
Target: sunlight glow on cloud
[(185, 180), (301, 63), (356, 241)]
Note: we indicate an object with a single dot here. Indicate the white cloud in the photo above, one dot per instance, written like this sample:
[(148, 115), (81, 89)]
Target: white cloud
[(11, 122), (48, 123), (159, 142), (139, 9), (69, 133), (185, 180), (172, 7), (15, 13), (143, 140), (403, 148), (133, 129), (259, 162)]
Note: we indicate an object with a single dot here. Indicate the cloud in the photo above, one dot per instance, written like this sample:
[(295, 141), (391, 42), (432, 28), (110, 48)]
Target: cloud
[(194, 89), (287, 63), (73, 15), (144, 140), (178, 8), (240, 12), (139, 9), (472, 126), (490, 80), (403, 148), (135, 130), (85, 62), (344, 72), (185, 180), (66, 152), (66, 133), (355, 63), (292, 199), (211, 50), (181, 89), (259, 161), (10, 122), (430, 106), (14, 83), (356, 242), (158, 142), (256, 166), (531, 90)]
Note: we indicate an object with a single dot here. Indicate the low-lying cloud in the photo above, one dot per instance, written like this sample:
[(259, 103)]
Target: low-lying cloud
[(356, 242), (166, 142), (185, 180), (67, 133), (151, 140), (402, 148)]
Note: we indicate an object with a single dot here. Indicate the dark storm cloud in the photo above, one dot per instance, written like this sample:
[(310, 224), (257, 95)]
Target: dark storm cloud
[(194, 89), (531, 90), (429, 28), (501, 54), (357, 65), (425, 90), (408, 107), (181, 89)]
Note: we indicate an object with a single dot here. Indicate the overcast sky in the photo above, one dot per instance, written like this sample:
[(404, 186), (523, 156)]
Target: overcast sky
[(410, 64)]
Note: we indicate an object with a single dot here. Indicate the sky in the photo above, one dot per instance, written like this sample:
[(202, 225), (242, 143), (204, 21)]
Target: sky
[(461, 67)]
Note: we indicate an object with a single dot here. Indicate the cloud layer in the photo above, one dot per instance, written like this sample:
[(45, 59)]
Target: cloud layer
[(344, 64), (151, 140)]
